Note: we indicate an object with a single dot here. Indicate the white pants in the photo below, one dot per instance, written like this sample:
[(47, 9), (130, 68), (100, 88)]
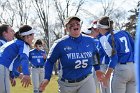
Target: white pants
[(37, 77), (123, 80), (85, 86), (4, 80)]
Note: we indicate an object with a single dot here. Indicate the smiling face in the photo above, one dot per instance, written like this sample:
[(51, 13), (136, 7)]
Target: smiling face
[(74, 28), (9, 34)]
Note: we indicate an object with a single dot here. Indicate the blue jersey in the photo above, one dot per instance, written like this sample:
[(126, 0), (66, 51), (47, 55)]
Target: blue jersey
[(13, 54), (75, 54), (124, 47), (36, 57)]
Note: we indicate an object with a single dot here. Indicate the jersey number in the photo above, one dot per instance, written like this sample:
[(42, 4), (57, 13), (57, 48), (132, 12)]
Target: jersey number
[(123, 39), (81, 64)]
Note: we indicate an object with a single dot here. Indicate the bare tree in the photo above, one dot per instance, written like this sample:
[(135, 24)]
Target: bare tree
[(66, 9), (42, 10), (7, 15), (119, 17), (23, 8)]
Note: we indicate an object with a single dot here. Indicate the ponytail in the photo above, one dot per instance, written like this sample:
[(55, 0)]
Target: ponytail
[(110, 24), (18, 36)]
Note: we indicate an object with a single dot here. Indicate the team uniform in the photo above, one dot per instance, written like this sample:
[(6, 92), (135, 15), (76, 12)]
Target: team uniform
[(76, 63), (37, 62), (123, 80), (12, 54), (104, 61)]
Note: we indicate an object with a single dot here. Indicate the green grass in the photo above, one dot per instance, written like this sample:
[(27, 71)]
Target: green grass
[(51, 88)]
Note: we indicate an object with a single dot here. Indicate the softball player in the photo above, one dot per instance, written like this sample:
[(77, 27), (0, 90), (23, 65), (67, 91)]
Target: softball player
[(14, 53), (104, 60), (37, 59), (75, 52), (120, 49), (6, 35)]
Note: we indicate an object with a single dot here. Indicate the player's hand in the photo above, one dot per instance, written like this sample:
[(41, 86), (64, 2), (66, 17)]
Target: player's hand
[(43, 85), (13, 82), (105, 82), (100, 75), (26, 81)]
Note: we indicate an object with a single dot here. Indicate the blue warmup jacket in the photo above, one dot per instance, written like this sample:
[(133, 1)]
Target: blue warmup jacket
[(36, 57), (124, 47), (76, 57), (13, 54)]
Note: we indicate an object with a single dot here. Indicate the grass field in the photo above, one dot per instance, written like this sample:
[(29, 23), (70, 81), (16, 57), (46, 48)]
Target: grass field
[(51, 88)]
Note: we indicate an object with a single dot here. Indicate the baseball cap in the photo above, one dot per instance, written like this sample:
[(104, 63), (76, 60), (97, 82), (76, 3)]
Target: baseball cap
[(87, 32), (70, 18), (93, 25)]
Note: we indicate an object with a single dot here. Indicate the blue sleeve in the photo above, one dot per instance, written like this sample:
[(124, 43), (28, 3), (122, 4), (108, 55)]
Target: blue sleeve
[(113, 61), (97, 67), (53, 55), (14, 74), (25, 64), (23, 55), (48, 69)]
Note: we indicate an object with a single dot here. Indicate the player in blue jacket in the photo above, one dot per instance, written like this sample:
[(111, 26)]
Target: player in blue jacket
[(6, 35), (37, 58), (14, 53), (120, 50), (76, 52), (103, 58)]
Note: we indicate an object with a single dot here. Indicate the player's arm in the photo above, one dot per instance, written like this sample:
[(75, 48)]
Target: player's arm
[(24, 59), (53, 55)]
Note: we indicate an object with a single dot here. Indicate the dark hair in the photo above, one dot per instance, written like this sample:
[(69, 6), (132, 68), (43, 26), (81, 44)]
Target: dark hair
[(22, 29), (106, 21), (3, 28), (38, 42)]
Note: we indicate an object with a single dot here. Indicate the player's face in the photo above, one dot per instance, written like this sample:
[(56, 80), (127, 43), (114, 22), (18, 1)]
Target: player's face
[(9, 34), (74, 27), (39, 47), (29, 38)]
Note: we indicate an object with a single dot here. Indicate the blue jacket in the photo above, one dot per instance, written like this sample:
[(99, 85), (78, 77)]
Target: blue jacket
[(13, 54), (76, 57)]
